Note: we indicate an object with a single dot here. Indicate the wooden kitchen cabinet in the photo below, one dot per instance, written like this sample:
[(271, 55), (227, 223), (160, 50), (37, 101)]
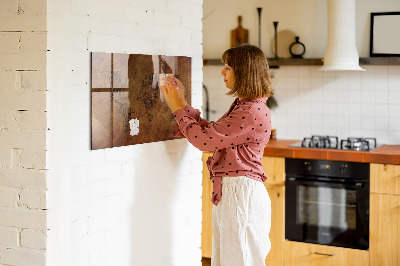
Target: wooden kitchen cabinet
[(274, 168), (277, 233), (206, 225), (385, 178), (385, 215), (305, 254), (384, 236)]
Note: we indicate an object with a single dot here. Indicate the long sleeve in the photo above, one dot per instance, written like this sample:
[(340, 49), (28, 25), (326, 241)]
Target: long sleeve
[(229, 131), (193, 113)]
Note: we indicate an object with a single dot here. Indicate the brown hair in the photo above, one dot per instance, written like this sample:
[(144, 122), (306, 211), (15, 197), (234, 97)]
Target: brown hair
[(250, 66)]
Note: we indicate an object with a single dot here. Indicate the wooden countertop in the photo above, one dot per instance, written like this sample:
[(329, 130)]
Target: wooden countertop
[(389, 154)]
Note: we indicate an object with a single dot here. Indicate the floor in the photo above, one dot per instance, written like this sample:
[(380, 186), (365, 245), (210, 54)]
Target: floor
[(206, 261)]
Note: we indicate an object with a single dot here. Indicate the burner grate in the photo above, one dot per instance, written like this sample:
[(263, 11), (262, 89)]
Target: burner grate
[(332, 142), (327, 142), (358, 144)]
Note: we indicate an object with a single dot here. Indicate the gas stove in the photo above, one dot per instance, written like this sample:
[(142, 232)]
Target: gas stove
[(332, 142)]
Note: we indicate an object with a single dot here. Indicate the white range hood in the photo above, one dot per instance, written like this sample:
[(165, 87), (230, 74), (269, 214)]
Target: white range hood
[(341, 51)]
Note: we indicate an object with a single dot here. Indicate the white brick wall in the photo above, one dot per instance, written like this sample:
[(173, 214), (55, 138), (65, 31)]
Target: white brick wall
[(11, 256), (8, 197), (91, 194), (23, 132), (136, 205), (33, 239), (9, 237)]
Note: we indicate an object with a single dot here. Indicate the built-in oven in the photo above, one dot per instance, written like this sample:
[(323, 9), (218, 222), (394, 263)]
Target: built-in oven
[(327, 202)]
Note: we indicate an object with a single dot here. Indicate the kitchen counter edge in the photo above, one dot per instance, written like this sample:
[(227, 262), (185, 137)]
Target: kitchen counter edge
[(385, 154)]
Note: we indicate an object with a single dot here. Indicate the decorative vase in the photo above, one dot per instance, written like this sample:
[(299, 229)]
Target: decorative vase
[(297, 49)]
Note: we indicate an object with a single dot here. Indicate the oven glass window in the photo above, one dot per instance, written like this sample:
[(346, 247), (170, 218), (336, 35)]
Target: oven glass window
[(326, 207)]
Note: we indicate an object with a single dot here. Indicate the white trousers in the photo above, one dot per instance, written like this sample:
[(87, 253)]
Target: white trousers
[(241, 223)]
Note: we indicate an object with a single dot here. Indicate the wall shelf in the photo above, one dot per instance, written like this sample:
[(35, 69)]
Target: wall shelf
[(274, 63), (380, 61)]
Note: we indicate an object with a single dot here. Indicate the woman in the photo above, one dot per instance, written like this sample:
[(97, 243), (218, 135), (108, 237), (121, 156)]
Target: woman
[(242, 208)]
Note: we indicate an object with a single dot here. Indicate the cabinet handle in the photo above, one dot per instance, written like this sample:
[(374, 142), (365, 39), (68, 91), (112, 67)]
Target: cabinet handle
[(324, 254)]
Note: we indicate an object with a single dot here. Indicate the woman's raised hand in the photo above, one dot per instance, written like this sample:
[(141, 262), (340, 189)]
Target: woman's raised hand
[(181, 91), (174, 94)]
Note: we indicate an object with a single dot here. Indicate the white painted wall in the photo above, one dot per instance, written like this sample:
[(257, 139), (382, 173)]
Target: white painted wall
[(306, 19), (135, 205), (311, 102), (23, 133)]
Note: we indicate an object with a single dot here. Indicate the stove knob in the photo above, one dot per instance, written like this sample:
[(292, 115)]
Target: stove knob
[(343, 168), (308, 166)]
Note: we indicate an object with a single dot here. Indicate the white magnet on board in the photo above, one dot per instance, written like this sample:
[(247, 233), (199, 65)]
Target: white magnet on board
[(134, 125)]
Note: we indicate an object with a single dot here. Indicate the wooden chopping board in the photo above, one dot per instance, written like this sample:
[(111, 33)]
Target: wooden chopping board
[(239, 35)]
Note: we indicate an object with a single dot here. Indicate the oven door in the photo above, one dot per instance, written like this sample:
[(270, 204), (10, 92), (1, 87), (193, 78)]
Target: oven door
[(327, 213)]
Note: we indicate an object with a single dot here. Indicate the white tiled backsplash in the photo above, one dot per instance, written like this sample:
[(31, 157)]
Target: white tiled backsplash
[(314, 102)]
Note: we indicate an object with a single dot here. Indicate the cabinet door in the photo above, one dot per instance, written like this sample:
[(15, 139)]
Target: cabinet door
[(304, 254), (385, 178), (384, 230), (274, 168), (206, 226), (277, 233)]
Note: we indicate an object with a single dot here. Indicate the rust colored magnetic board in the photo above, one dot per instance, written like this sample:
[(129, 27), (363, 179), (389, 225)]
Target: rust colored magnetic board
[(127, 103)]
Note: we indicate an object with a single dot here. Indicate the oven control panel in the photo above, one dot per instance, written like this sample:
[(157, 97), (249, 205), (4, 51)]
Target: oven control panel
[(325, 167), (337, 169)]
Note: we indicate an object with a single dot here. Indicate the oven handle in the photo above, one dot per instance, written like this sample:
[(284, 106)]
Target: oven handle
[(324, 254), (357, 185)]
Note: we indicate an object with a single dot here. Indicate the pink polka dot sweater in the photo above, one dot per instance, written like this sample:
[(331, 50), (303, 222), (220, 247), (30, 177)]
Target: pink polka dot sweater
[(238, 139)]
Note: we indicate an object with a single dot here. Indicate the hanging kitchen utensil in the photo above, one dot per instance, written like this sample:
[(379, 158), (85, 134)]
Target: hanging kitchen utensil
[(259, 9)]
